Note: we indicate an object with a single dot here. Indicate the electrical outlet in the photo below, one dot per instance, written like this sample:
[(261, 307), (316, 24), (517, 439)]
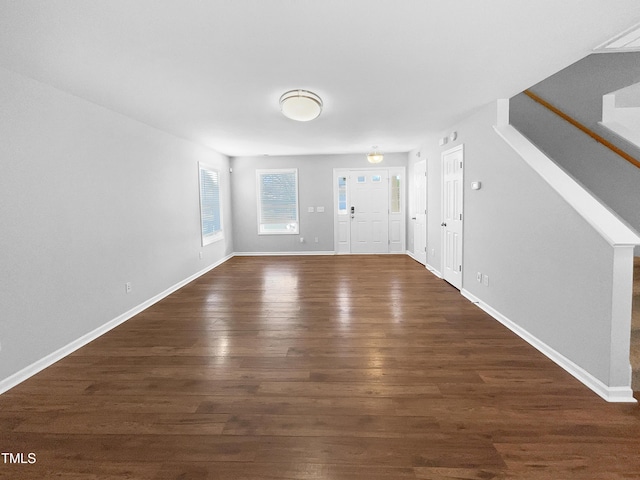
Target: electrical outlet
[(485, 280), (301, 239), (479, 277), (200, 255), (316, 239), (127, 287)]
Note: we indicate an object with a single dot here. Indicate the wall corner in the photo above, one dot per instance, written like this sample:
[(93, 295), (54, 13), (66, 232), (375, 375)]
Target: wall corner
[(621, 312), (503, 112)]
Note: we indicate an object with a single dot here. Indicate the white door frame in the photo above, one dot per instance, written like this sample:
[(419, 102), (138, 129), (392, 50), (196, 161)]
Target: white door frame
[(342, 220), (452, 224), (369, 210), (419, 214)]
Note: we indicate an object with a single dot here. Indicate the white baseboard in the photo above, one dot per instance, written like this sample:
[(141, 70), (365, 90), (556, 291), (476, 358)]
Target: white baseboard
[(39, 365), (610, 394), (410, 254), (281, 254), (433, 270), (310, 252)]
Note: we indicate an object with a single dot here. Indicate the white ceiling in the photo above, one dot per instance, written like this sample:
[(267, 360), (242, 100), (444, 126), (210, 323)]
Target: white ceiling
[(389, 71)]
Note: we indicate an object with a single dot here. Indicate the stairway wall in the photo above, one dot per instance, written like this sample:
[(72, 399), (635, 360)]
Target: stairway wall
[(578, 90)]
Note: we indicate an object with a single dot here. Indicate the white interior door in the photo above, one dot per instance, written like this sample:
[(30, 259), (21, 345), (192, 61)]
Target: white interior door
[(420, 212), (452, 184), (369, 211)]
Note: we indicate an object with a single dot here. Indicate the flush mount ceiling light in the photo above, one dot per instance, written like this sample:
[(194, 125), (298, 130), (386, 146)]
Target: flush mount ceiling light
[(300, 105), (375, 156)]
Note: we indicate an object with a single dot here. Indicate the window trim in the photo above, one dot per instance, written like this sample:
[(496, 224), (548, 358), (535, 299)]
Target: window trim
[(218, 235), (259, 173)]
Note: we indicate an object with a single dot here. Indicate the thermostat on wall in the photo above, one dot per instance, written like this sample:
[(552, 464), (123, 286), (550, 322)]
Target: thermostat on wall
[(476, 185)]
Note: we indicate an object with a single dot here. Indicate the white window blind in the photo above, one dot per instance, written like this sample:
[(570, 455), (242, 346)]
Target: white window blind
[(210, 207), (277, 201)]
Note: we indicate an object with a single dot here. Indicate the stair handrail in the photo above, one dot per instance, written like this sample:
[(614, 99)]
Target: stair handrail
[(603, 141)]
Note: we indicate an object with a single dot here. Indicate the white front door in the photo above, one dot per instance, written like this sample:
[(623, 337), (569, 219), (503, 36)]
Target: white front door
[(369, 211), (452, 184), (420, 212)]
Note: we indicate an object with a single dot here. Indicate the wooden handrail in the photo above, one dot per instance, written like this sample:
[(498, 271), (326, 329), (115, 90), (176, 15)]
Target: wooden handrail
[(582, 128)]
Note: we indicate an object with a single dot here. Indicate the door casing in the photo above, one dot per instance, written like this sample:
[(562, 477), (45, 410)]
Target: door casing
[(420, 212), (452, 215)]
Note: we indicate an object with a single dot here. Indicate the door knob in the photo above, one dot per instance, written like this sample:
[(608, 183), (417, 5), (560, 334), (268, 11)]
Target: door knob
[(443, 224)]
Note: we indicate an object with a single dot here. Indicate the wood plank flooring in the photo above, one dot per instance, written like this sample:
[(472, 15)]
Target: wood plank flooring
[(314, 368)]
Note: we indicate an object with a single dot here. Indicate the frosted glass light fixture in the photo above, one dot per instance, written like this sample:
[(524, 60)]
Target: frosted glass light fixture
[(375, 156), (300, 105)]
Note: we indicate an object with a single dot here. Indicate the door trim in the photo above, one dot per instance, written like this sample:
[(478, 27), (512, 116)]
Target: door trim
[(344, 247), (420, 209)]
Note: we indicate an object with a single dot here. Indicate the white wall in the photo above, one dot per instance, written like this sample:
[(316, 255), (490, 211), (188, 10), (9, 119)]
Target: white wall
[(315, 188), (90, 199), (550, 272), (578, 88)]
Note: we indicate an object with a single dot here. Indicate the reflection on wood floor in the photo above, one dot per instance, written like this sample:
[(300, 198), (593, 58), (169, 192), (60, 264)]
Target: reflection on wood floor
[(314, 368)]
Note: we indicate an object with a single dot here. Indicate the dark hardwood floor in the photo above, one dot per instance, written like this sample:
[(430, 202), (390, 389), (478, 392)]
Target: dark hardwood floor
[(314, 368)]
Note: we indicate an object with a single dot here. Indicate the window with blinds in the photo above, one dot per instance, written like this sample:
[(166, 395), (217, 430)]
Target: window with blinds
[(210, 207), (277, 201)]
